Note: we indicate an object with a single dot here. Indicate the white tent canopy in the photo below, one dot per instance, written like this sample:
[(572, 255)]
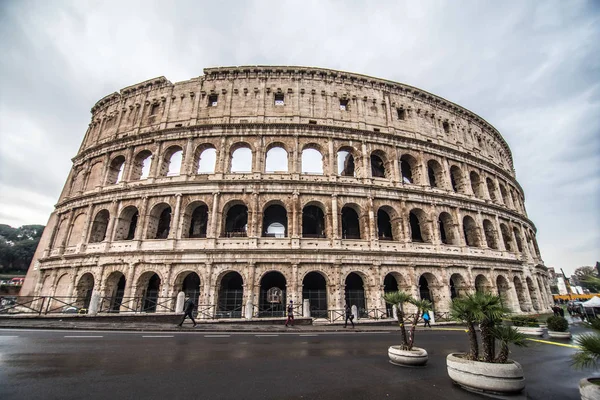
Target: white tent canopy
[(593, 302)]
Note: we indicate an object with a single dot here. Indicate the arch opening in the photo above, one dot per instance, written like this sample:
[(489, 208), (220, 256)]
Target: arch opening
[(127, 224), (231, 292), (198, 222), (345, 162), (313, 222), (350, 223), (471, 232), (171, 162), (115, 170), (159, 222), (377, 166), (115, 290), (241, 160), (272, 300), (141, 165), (99, 226), (84, 290), (490, 234), (476, 184), (447, 229), (312, 161), (314, 288), (207, 161), (151, 292), (456, 179), (491, 189), (355, 294), (276, 160), (435, 173), (236, 221), (520, 294), (481, 284), (275, 221), (408, 169), (384, 225)]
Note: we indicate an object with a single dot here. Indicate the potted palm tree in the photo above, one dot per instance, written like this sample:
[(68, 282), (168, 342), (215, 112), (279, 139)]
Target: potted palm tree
[(406, 354), (589, 356), (485, 371)]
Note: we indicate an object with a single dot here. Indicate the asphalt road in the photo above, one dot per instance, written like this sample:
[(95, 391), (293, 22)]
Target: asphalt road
[(293, 365)]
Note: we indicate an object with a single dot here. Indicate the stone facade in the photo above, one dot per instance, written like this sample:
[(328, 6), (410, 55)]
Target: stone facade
[(408, 191)]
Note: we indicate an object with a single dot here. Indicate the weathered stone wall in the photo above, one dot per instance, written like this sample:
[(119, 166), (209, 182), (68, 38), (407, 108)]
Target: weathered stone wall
[(461, 173)]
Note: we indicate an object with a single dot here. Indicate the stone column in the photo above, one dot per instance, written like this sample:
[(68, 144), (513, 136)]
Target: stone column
[(63, 240), (141, 228), (335, 217), (188, 158), (332, 164), (372, 235), (296, 294), (111, 222), (214, 217), (86, 226), (500, 238), (156, 162), (366, 173), (396, 167), (294, 207), (175, 223)]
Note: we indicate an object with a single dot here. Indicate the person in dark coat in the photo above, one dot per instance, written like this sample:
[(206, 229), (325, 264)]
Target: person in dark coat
[(290, 314), (188, 309), (349, 316)]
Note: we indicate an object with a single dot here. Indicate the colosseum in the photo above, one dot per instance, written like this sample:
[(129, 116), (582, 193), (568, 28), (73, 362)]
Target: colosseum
[(251, 186)]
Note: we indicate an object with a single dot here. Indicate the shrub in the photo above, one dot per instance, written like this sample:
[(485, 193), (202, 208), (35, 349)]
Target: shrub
[(557, 324), (523, 320)]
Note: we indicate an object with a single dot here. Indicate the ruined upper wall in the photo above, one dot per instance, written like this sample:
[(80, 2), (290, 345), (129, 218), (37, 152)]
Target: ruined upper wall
[(310, 95)]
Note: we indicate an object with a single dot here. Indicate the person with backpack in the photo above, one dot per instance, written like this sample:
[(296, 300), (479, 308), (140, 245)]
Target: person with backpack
[(290, 314), (188, 309), (426, 318), (349, 316)]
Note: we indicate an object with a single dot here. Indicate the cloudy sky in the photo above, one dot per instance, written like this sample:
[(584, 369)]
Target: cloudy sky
[(530, 68)]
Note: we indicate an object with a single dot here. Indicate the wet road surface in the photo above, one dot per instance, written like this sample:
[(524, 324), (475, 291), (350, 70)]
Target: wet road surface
[(219, 365)]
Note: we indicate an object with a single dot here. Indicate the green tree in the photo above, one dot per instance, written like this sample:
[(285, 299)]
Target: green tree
[(587, 277), (398, 300), (17, 246)]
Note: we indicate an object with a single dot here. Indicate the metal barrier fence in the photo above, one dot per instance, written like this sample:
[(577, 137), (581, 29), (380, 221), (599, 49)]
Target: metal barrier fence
[(137, 305)]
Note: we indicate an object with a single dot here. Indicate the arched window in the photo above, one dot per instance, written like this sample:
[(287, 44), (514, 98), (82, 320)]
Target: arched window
[(518, 239), (98, 232), (345, 163), (470, 230), (115, 170), (236, 221), (415, 228), (491, 189), (141, 165), (384, 226), (377, 166), (313, 222), (506, 237), (198, 222), (447, 230), (159, 222), (476, 184), (275, 221), (171, 162), (436, 174), (312, 161), (127, 224), (241, 160), (457, 180), (504, 195), (276, 160), (409, 169), (207, 159), (490, 234), (350, 223)]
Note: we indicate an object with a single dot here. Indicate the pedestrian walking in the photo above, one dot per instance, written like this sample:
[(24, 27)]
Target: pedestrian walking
[(290, 314), (349, 316), (426, 318), (188, 309)]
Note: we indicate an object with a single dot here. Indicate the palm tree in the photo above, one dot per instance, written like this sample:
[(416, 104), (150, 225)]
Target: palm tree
[(462, 309), (486, 310), (507, 335), (398, 300), (589, 354), (489, 311)]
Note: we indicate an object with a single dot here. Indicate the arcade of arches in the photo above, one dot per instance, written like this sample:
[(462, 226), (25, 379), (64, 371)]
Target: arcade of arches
[(227, 291)]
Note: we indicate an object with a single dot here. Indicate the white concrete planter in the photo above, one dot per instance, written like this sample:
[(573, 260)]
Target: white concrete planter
[(589, 390), (559, 335), (528, 330), (487, 377), (416, 357)]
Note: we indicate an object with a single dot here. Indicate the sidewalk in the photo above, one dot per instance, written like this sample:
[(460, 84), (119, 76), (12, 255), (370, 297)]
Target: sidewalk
[(203, 326)]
